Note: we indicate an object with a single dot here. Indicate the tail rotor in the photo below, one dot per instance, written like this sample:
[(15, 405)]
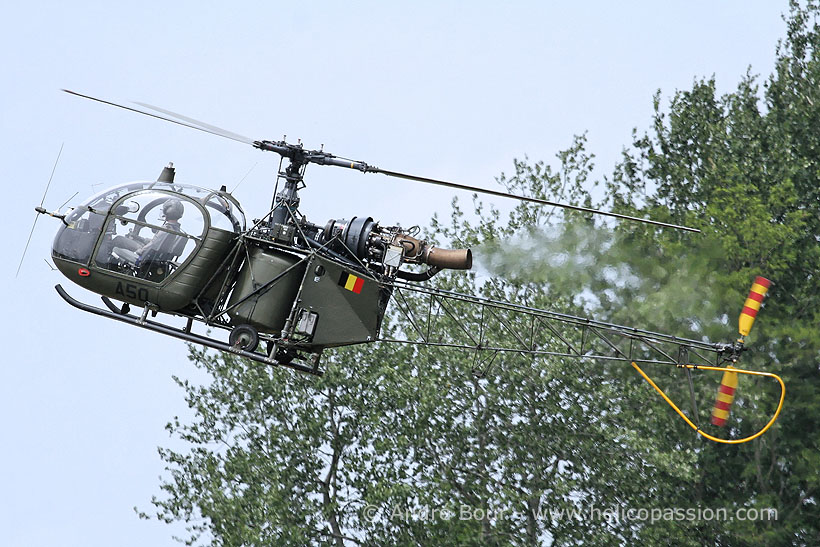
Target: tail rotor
[(729, 382)]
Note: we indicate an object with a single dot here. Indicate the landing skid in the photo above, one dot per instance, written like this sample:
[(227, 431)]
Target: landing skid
[(181, 334)]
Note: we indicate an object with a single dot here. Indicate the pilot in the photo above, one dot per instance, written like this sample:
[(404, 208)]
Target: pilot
[(134, 248)]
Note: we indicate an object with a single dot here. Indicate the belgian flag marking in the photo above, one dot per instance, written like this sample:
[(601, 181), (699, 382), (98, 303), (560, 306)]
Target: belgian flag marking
[(351, 282)]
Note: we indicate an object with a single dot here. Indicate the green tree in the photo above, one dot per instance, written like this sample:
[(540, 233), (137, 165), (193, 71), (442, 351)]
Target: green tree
[(745, 170)]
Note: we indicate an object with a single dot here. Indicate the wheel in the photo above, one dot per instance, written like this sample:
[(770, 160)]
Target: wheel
[(244, 337)]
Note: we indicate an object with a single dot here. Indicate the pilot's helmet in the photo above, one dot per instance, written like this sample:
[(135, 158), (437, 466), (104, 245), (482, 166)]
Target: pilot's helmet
[(172, 209)]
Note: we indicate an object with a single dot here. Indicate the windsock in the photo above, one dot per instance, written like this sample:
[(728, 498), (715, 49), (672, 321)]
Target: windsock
[(728, 384)]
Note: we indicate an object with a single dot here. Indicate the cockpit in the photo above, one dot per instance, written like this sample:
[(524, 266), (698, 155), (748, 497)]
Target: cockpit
[(145, 229)]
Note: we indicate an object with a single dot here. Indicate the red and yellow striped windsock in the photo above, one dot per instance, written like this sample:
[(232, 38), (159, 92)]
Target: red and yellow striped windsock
[(725, 396), (752, 305)]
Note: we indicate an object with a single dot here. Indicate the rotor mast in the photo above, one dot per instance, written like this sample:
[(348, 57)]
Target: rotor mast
[(294, 174)]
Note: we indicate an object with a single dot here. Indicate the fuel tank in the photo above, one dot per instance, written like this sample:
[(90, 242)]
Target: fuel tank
[(265, 289)]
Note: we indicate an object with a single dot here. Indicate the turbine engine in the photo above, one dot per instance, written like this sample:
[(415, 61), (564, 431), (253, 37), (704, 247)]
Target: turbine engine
[(390, 247)]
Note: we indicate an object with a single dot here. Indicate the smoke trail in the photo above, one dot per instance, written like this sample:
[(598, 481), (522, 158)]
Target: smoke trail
[(613, 276)]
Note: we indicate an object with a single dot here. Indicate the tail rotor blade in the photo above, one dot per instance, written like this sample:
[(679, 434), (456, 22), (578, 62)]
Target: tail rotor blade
[(728, 384), (752, 305), (724, 399)]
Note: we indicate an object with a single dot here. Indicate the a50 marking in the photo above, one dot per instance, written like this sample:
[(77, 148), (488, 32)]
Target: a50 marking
[(132, 291)]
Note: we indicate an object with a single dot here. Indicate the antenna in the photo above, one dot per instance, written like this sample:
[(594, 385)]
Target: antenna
[(40, 210)]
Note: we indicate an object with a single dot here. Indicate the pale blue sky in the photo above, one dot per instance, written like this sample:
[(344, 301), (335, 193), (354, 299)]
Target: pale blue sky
[(453, 90)]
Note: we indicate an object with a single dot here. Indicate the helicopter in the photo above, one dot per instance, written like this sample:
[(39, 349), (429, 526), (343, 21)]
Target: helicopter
[(282, 289)]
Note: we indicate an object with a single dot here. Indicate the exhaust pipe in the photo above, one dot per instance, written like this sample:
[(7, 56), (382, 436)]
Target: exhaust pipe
[(419, 252), (453, 259)]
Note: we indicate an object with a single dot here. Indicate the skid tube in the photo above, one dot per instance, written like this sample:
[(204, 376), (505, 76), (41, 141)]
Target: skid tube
[(181, 334)]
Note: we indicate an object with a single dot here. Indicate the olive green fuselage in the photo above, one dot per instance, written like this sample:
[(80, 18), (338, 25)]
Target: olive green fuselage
[(172, 294)]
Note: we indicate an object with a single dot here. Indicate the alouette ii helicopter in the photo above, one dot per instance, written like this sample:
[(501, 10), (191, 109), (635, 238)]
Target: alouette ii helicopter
[(299, 287)]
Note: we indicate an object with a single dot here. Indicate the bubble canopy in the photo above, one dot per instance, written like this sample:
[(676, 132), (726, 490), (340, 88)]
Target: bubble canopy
[(145, 229), (224, 211)]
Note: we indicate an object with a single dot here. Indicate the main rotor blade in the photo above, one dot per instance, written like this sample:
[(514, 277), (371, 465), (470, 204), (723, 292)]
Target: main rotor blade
[(324, 158), (212, 128), (225, 134), (526, 198)]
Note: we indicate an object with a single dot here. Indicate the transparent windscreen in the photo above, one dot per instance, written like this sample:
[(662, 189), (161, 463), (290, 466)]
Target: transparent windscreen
[(159, 208), (150, 253), (76, 238), (224, 211), (150, 234)]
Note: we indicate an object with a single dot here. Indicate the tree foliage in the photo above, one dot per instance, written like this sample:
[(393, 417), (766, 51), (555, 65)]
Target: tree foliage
[(744, 168), (395, 443)]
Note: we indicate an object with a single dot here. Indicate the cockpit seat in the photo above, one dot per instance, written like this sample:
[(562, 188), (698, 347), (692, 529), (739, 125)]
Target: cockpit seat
[(126, 254), (157, 259), (157, 262)]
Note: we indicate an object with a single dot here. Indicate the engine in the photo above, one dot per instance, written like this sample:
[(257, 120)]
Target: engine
[(387, 248), (381, 248)]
